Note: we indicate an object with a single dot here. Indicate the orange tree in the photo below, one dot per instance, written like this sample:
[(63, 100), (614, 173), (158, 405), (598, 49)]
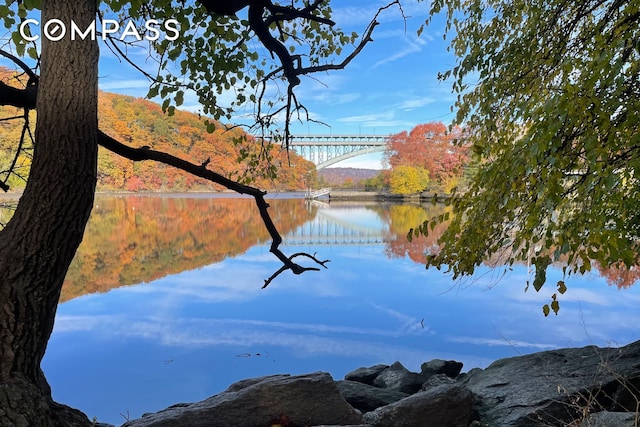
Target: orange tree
[(430, 146)]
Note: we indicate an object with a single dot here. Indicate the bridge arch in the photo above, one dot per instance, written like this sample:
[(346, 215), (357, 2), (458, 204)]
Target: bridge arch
[(326, 150)]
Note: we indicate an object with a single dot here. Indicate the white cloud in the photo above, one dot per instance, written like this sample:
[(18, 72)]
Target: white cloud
[(408, 323), (493, 342), (411, 47), (361, 164), (302, 338), (336, 98), (387, 115), (411, 104), (363, 14), (127, 84)]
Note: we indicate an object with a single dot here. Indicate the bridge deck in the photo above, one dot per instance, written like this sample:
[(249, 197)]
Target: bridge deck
[(338, 139)]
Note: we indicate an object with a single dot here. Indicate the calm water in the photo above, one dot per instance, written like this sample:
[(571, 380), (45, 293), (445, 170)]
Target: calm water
[(163, 302)]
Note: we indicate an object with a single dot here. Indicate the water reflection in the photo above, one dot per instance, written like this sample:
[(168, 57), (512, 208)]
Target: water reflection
[(203, 322), (137, 239)]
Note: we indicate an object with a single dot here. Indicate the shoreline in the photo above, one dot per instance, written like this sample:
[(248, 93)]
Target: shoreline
[(385, 196), (559, 387), (333, 195)]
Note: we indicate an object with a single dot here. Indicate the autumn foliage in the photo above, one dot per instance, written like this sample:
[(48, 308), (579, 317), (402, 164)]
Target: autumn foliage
[(135, 239), (620, 276), (139, 122), (405, 179), (428, 147)]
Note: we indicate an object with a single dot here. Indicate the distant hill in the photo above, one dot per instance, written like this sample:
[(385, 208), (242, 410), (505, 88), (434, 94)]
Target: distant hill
[(337, 176), (139, 122)]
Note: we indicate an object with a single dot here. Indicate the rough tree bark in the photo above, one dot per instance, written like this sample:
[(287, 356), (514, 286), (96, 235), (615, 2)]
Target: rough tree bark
[(38, 245)]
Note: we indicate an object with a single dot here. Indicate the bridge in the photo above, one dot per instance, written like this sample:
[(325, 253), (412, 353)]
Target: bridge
[(328, 230), (326, 150)]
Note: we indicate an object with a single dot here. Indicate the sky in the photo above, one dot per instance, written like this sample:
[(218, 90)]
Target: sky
[(390, 87)]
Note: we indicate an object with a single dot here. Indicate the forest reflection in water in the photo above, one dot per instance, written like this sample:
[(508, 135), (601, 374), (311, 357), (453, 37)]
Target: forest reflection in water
[(137, 239), (163, 301)]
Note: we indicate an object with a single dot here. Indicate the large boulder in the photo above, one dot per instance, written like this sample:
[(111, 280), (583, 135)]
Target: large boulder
[(611, 419), (447, 405), (365, 397), (450, 368), (397, 377), (557, 387), (365, 375), (311, 399), (437, 380)]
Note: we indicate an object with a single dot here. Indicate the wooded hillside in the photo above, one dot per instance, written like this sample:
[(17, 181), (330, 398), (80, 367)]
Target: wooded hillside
[(140, 122)]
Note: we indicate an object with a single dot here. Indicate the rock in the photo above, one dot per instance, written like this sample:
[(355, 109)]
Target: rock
[(450, 368), (611, 419), (437, 380), (555, 387), (449, 405), (585, 387), (365, 397), (311, 399), (397, 377), (463, 375), (365, 375)]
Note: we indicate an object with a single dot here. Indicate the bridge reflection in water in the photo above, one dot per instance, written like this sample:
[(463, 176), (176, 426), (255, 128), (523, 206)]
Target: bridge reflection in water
[(336, 226)]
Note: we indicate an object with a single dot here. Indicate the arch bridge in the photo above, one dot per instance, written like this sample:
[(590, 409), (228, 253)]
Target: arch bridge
[(326, 150)]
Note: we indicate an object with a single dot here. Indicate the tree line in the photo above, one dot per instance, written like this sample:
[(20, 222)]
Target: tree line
[(135, 119), (429, 157)]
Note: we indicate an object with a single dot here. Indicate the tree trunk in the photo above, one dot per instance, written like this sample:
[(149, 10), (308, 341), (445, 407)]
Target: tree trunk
[(38, 244)]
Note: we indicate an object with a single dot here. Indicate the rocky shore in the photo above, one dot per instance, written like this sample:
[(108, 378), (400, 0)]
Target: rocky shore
[(588, 386)]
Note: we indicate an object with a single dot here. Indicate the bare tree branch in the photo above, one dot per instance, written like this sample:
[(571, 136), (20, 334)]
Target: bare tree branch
[(291, 66), (145, 153), (24, 98), (300, 270)]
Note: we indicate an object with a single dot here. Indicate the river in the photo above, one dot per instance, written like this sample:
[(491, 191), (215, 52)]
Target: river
[(163, 302)]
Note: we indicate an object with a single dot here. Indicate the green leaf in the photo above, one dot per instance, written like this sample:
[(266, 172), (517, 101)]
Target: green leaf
[(32, 4), (165, 105), (541, 272), (179, 99), (153, 92), (562, 288)]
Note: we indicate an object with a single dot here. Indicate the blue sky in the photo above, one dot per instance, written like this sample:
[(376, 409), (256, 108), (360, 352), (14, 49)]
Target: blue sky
[(392, 86)]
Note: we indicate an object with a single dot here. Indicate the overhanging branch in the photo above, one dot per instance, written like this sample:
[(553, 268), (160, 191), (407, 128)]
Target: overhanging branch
[(200, 170), (25, 98)]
